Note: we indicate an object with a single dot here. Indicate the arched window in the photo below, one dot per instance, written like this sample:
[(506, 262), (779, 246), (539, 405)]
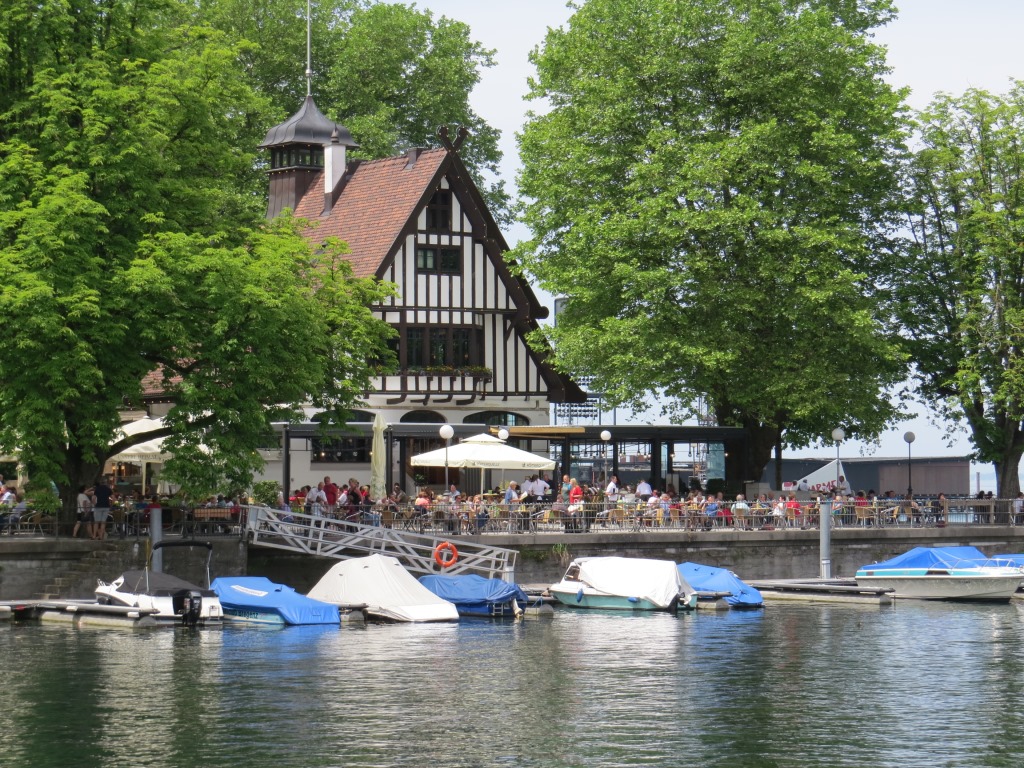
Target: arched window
[(497, 419), (423, 417)]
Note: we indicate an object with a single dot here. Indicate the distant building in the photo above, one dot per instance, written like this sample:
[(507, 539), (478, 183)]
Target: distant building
[(929, 476)]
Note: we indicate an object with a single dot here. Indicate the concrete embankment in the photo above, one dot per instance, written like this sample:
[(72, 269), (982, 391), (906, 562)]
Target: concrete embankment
[(33, 567)]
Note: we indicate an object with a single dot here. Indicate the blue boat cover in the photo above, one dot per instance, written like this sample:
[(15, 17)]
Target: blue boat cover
[(707, 578), (471, 593), (259, 594), (934, 557)]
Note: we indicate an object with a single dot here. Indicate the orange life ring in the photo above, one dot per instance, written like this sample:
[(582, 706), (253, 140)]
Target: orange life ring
[(440, 559)]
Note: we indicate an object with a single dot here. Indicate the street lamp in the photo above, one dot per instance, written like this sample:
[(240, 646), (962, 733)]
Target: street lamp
[(446, 433), (838, 435), (910, 437), (825, 521), (503, 434), (606, 436)]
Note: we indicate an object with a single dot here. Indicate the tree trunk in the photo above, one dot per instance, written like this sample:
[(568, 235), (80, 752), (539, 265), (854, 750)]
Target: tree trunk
[(1008, 474), (778, 462), (763, 438), (78, 473)]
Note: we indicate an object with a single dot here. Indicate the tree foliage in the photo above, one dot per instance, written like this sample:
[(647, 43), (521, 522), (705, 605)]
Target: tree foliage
[(960, 292), (129, 244), (711, 190)]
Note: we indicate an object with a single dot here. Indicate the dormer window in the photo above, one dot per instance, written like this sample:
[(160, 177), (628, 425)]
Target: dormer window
[(439, 212)]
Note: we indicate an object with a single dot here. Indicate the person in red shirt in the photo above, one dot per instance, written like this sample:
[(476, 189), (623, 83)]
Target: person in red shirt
[(331, 492), (576, 507)]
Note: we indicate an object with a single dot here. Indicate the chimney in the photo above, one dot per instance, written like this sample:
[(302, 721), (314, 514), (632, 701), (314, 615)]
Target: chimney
[(334, 168), (412, 155)]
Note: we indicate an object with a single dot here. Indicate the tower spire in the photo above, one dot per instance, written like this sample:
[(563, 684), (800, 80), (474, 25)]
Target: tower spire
[(309, 53)]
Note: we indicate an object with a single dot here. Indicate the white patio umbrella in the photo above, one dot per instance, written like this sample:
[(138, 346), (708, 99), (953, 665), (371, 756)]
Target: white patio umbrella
[(482, 452), (144, 452), (378, 459), (149, 450)]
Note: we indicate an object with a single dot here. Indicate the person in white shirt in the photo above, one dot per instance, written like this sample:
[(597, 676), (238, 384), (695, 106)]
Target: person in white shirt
[(316, 499), (644, 490), (527, 488), (611, 499), (741, 512)]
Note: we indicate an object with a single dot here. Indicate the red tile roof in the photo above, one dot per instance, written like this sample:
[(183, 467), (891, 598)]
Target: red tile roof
[(374, 207)]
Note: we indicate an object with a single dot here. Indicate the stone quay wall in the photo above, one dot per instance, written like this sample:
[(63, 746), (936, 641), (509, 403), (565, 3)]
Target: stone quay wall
[(32, 567)]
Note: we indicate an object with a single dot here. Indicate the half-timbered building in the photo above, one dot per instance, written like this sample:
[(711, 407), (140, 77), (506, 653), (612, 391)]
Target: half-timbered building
[(416, 220)]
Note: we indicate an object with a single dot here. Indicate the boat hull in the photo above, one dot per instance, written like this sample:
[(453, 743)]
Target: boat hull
[(583, 599), (161, 607), (246, 616), (991, 587)]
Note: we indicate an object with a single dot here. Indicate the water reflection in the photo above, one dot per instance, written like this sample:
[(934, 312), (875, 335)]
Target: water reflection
[(919, 684)]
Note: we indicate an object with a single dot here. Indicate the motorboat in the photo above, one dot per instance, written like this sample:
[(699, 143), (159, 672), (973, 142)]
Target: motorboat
[(258, 600), (721, 584), (168, 599), (384, 589), (944, 573), (474, 595), (624, 583)]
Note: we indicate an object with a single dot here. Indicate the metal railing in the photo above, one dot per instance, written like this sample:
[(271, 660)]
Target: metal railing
[(341, 539), (444, 520)]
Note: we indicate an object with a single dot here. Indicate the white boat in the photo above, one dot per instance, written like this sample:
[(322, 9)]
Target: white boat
[(381, 586), (943, 573), (166, 598), (624, 583)]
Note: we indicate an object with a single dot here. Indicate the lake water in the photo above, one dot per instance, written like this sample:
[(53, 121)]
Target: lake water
[(917, 684)]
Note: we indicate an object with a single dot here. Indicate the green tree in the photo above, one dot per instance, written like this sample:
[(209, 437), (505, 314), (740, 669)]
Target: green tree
[(711, 190), (960, 293), (130, 248), (389, 72)]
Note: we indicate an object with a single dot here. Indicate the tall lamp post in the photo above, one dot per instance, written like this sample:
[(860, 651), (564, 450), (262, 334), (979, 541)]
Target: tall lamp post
[(910, 437), (825, 523), (605, 436), (446, 433), (503, 436)]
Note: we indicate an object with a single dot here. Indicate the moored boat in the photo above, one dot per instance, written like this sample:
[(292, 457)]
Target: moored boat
[(168, 599), (721, 582), (258, 600), (943, 573), (474, 595), (624, 583), (384, 589)]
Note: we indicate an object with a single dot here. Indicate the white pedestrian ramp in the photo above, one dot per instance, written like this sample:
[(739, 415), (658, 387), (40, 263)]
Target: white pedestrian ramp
[(341, 540)]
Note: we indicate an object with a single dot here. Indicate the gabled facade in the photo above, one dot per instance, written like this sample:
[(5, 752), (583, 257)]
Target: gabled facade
[(418, 221)]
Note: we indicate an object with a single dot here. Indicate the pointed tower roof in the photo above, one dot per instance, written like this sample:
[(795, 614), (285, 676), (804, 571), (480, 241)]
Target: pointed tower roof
[(307, 126)]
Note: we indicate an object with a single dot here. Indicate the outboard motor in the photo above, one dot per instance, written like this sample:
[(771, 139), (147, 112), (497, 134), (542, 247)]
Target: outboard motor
[(188, 603)]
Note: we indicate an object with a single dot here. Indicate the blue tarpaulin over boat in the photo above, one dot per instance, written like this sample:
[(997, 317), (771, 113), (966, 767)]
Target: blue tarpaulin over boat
[(933, 557), (255, 597), (476, 596), (707, 578)]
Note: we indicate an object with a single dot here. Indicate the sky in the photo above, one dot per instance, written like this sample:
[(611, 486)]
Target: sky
[(933, 46)]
